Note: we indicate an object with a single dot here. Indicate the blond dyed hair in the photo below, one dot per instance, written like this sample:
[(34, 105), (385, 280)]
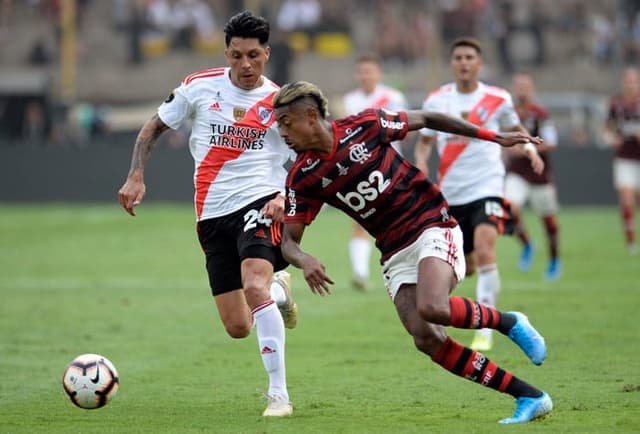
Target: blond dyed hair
[(298, 91)]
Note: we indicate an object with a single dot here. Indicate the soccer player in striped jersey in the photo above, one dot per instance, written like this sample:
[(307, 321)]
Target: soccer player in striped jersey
[(523, 185), (471, 173), (622, 133), (239, 192), (350, 164), (370, 93)]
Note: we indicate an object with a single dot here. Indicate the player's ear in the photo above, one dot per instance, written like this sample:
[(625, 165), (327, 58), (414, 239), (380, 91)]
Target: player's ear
[(312, 114)]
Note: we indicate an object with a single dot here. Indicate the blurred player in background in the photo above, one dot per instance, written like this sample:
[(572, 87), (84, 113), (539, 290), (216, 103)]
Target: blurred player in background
[(420, 243), (622, 133), (371, 93), (523, 185), (239, 182), (471, 173)]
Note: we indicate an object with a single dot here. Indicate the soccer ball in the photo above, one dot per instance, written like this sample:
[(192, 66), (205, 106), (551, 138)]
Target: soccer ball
[(91, 381)]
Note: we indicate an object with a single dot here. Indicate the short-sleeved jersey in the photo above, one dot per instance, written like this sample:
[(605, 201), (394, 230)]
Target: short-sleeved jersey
[(625, 115), (382, 97), (471, 168), (234, 141), (368, 180), (536, 120)]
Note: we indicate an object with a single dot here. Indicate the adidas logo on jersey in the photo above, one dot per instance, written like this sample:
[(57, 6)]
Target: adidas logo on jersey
[(215, 107)]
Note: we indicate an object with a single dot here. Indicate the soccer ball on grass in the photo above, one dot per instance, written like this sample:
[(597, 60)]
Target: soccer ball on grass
[(91, 381)]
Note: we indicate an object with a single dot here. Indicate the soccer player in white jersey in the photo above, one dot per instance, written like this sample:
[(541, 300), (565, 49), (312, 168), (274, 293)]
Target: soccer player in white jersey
[(370, 93), (471, 173), (239, 185)]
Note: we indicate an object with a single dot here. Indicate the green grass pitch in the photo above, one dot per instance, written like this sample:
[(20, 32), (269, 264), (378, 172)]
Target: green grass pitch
[(88, 278)]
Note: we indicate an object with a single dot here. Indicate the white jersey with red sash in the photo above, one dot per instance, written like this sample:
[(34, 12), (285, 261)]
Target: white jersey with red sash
[(470, 168), (238, 152)]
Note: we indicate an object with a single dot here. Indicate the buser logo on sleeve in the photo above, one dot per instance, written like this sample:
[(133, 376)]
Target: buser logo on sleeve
[(391, 124)]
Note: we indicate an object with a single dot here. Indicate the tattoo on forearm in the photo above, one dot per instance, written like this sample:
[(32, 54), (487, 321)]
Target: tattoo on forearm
[(145, 142)]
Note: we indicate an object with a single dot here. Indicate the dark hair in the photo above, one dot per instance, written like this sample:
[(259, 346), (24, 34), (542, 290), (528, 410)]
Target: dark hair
[(246, 25), (368, 58), (466, 42)]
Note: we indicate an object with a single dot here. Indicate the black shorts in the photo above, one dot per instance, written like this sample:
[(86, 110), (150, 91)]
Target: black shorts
[(228, 240), (495, 211)]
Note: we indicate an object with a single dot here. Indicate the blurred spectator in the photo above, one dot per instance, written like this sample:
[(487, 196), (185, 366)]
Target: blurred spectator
[(34, 125), (402, 33), (502, 27), (389, 43), (281, 59), (299, 16), (457, 18), (334, 17), (573, 22), (537, 26), (6, 12), (603, 37), (134, 25), (181, 20), (88, 121), (41, 53)]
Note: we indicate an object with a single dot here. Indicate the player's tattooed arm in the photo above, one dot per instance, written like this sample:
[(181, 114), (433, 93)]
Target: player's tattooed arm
[(132, 192), (146, 140)]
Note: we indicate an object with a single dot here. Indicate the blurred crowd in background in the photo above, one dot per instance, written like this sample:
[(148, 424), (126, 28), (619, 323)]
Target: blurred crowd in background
[(133, 52)]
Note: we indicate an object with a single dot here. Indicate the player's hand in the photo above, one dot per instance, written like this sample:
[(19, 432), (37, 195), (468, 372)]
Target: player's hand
[(274, 209), (315, 275), (131, 194), (512, 138)]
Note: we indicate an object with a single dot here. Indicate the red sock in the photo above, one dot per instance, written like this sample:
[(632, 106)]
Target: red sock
[(469, 314), (471, 365), (629, 225), (551, 227)]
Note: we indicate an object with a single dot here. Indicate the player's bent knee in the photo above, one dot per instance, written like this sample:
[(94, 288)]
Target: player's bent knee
[(238, 330), (434, 313)]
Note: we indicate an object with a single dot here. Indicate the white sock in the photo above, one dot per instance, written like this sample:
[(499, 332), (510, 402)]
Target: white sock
[(360, 253), (270, 331), (277, 292), (487, 289)]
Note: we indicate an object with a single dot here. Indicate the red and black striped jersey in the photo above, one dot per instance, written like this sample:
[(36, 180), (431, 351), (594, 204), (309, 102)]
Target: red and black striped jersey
[(625, 115), (368, 180), (536, 120)]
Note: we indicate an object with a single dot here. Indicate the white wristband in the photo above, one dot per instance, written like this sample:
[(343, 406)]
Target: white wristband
[(529, 147)]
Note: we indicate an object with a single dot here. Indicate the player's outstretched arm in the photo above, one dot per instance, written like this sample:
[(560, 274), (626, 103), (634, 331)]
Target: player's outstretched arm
[(449, 124), (312, 269), (131, 193)]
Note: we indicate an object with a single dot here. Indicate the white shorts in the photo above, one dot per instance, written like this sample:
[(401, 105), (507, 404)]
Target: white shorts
[(542, 197), (626, 173), (443, 243)]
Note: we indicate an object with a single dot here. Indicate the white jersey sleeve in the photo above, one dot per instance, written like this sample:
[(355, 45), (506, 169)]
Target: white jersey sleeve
[(507, 115), (432, 105), (548, 132), (176, 108)]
